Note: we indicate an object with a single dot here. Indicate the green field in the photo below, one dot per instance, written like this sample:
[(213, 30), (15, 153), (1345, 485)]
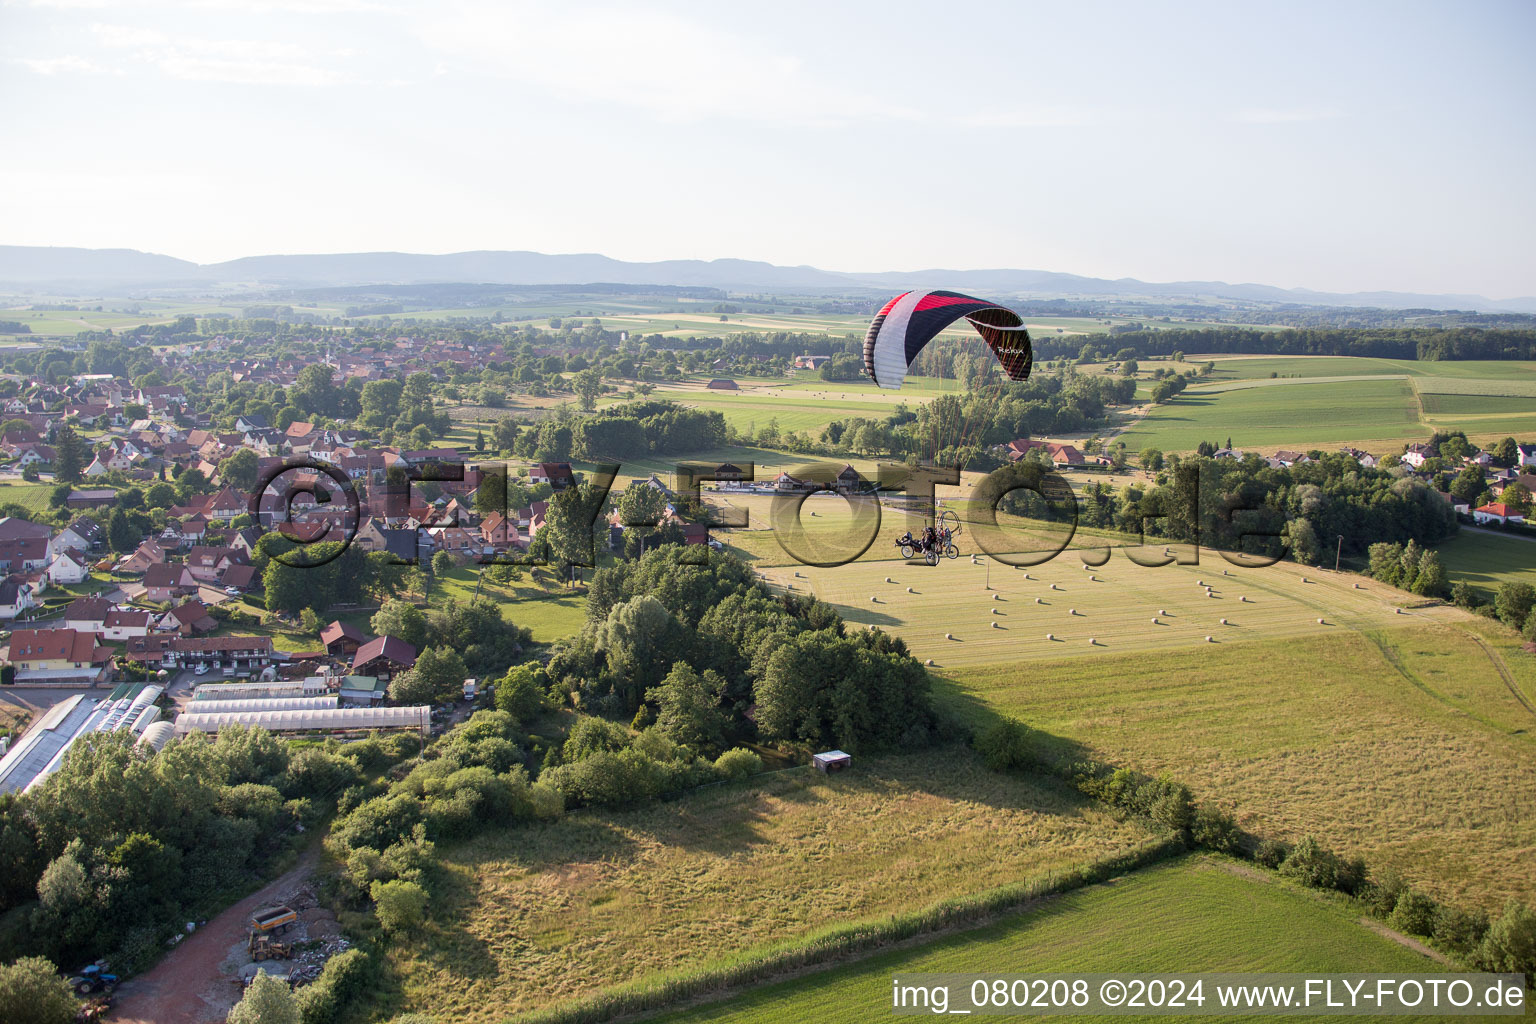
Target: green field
[(532, 916), (30, 496), (536, 603), (1300, 416), (1485, 558), (1230, 367), (1406, 746), (1194, 914)]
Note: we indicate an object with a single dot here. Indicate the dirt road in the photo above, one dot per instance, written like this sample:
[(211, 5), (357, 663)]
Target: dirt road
[(187, 987)]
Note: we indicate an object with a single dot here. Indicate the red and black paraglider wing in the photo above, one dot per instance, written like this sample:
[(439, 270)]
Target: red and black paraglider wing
[(911, 320)]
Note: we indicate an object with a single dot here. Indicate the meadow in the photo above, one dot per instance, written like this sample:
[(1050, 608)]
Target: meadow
[(1485, 558), (29, 496), (534, 916), (1299, 416), (1197, 913), (1414, 747), (1229, 367)]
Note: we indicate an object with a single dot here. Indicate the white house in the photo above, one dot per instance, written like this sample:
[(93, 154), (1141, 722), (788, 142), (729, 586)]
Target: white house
[(1526, 454), (68, 566), (1417, 453), (82, 535), (15, 598), (1496, 512), (121, 624)]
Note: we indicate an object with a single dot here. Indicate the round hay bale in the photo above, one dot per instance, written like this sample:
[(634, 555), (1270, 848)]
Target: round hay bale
[(887, 579), (1055, 587), (1071, 611), (997, 597), (1039, 600), (1027, 575), (1357, 586), (1200, 583), (928, 662), (1225, 573), (1322, 622), (1401, 612), (1050, 636), (997, 625), (873, 599), (1210, 639), (911, 591), (1210, 593), (949, 636), (1223, 622), (1305, 580), (1092, 641), (1162, 611), (1154, 622), (1087, 568), (1243, 598)]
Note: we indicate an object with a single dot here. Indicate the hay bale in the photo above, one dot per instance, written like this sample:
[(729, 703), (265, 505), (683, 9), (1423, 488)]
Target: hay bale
[(1305, 580), (1039, 600), (1321, 622), (997, 625), (1092, 641), (1201, 583), (1210, 639), (949, 636), (873, 599), (1162, 611), (1050, 636), (928, 662), (1223, 622), (997, 597), (1071, 611), (911, 591), (887, 579), (1401, 612), (1154, 622)]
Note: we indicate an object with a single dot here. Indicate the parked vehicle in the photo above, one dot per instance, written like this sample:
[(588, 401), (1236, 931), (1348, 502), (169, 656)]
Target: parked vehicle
[(273, 920), (93, 979)]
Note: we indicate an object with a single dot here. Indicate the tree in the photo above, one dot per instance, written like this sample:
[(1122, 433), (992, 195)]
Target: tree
[(70, 455), (589, 385), (1468, 483), (31, 992), (571, 525), (690, 707), (437, 676), (1518, 497), (520, 693), (442, 563), (1430, 581), (491, 495), (266, 1001), (123, 533), (400, 619), (1513, 602), (401, 906), (1510, 944), (640, 639), (1506, 453), (504, 433), (238, 470), (59, 496)]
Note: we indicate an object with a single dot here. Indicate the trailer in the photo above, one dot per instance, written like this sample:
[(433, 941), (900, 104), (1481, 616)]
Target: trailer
[(273, 920)]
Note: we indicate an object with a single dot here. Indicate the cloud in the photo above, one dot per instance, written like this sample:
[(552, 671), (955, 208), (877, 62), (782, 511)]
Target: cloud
[(236, 61), (1267, 115), (67, 64), (675, 68)]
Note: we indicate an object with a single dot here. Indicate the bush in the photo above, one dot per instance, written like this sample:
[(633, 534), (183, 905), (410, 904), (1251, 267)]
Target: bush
[(1510, 944), (401, 906), (1215, 829), (1414, 914), (1006, 746), (738, 763), (1382, 894), (1270, 853), (31, 992), (1313, 865), (1460, 930), (345, 976), (267, 1001)]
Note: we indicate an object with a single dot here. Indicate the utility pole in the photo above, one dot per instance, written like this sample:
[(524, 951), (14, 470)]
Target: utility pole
[(1337, 552)]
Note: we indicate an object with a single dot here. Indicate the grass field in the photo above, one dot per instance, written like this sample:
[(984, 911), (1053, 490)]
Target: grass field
[(532, 916), (1485, 559), (1406, 746), (30, 496), (1195, 914), (1299, 416), (1114, 603), (1230, 367), (545, 610)]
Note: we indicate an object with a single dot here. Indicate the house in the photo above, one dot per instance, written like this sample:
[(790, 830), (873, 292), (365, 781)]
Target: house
[(1288, 458), (207, 564), (83, 535), (383, 657), (784, 482), (252, 421), (16, 596), (238, 653), (848, 480), (498, 532), (810, 362), (167, 581), (1366, 459), (12, 528), (87, 614), (228, 504), (1060, 454), (1525, 454), (145, 555), (1496, 512), (557, 474), (1415, 454), (342, 639), (57, 656), (25, 554), (722, 384), (68, 567), (239, 577), (187, 619), (124, 623), (91, 498)]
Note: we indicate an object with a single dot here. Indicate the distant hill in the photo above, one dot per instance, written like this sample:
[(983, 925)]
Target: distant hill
[(33, 267)]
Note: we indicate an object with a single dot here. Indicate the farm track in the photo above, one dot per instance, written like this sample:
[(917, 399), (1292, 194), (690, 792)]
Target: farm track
[(1504, 673)]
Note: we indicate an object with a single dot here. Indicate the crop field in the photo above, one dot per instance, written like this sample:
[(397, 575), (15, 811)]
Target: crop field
[(1300, 416), (1090, 614), (1230, 367), (1196, 913), (799, 406), (1408, 746), (529, 917), (30, 496), (1484, 558)]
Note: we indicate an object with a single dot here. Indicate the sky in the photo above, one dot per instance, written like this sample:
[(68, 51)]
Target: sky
[(1337, 146)]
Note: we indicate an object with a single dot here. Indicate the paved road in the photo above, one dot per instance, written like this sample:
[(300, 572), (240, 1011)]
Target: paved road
[(187, 986)]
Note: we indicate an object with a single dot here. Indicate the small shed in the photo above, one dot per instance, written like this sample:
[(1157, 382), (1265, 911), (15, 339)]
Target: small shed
[(832, 761)]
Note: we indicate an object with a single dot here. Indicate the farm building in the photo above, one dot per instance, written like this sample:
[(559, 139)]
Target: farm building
[(1496, 512), (40, 752), (332, 719), (221, 707), (342, 639), (810, 362), (383, 657)]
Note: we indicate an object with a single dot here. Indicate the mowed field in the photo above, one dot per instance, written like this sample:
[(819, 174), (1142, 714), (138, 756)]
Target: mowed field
[(1113, 604), (1195, 914), (1414, 747), (529, 917)]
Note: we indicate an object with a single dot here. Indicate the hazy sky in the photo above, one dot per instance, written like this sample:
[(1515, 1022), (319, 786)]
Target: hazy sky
[(1338, 146)]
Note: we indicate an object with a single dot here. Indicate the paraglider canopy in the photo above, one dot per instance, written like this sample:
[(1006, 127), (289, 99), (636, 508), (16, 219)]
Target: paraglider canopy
[(912, 319)]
